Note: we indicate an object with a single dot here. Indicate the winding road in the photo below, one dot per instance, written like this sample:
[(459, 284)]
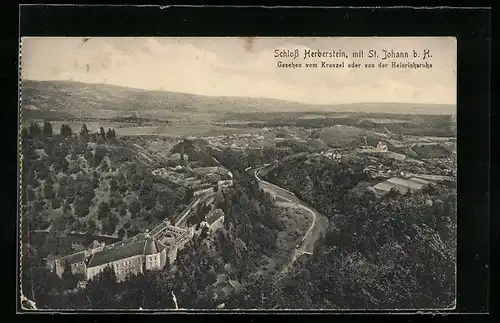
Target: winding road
[(319, 222), (306, 244)]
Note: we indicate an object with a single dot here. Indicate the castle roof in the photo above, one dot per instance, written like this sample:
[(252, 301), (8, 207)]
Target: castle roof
[(73, 258), (150, 248), (117, 253), (139, 245), (136, 238), (214, 216), (95, 244)]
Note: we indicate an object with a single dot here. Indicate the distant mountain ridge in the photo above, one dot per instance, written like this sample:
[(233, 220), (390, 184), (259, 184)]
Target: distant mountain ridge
[(69, 99)]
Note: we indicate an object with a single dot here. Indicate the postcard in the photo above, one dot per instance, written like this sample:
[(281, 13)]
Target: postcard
[(238, 173)]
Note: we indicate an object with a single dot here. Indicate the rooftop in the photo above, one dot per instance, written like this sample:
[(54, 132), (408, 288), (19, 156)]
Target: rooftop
[(384, 186), (405, 182), (419, 180), (140, 244), (136, 238), (117, 253), (152, 247), (73, 258), (433, 177), (214, 215), (95, 244)]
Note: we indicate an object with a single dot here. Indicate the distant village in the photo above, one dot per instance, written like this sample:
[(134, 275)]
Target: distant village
[(400, 180)]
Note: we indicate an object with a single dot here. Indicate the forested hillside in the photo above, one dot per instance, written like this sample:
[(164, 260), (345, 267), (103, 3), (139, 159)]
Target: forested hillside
[(87, 182), (199, 277), (396, 252)]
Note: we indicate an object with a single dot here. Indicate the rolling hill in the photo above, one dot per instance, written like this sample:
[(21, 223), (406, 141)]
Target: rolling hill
[(68, 99)]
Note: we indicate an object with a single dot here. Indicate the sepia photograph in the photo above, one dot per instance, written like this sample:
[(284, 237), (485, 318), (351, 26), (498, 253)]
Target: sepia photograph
[(237, 173)]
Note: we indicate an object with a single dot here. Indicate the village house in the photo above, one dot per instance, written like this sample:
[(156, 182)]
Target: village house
[(214, 220), (402, 185)]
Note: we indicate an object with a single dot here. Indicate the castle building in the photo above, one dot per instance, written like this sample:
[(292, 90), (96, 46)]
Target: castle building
[(77, 261), (214, 220), (129, 258), (132, 256)]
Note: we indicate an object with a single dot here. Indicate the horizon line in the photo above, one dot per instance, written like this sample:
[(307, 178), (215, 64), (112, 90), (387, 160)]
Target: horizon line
[(236, 96)]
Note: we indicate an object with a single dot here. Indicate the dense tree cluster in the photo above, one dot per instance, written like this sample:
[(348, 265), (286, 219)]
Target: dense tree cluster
[(63, 173), (196, 150), (249, 213), (73, 183), (239, 160), (394, 252)]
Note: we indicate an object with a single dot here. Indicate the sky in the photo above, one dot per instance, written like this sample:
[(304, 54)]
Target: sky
[(234, 66)]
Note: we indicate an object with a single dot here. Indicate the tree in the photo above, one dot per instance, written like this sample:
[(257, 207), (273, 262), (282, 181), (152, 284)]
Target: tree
[(101, 290), (35, 130), (47, 129), (110, 134), (123, 211), (90, 227), (204, 233), (109, 224), (24, 133), (102, 132), (121, 233), (134, 230), (100, 140), (100, 153), (315, 134), (48, 190), (81, 206), (84, 133), (104, 210), (113, 185), (66, 131), (134, 208), (189, 196), (56, 203)]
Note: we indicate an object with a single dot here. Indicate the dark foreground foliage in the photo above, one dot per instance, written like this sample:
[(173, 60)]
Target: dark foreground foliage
[(394, 252)]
